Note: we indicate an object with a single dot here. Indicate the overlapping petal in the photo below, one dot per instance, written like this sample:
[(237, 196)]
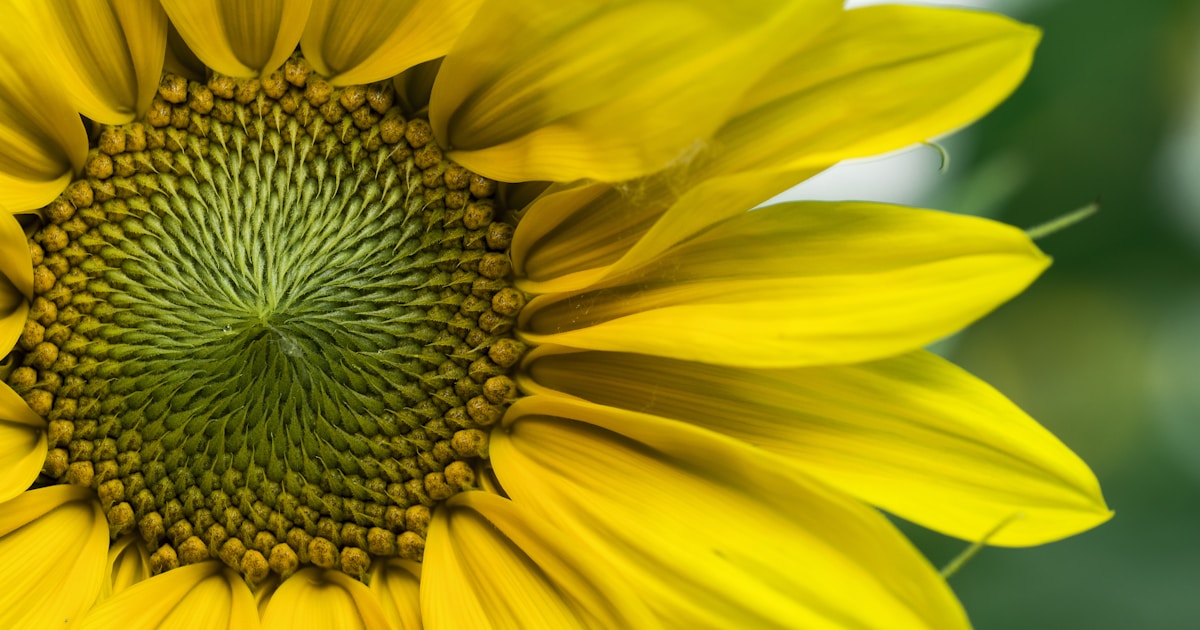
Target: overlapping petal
[(490, 566), (318, 598), (22, 444), (128, 564), (913, 434), (107, 55), (361, 41), (200, 596), (605, 91), (799, 284), (709, 534), (53, 541), (42, 140), (882, 78), (396, 584), (240, 39), (16, 281)]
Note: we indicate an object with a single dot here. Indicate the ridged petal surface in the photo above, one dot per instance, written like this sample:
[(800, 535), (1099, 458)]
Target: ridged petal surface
[(42, 140), (361, 41), (53, 541), (107, 55), (396, 584), (914, 435), (22, 444), (203, 596), (609, 91), (240, 39), (489, 565), (128, 564), (707, 533), (799, 284), (317, 598)]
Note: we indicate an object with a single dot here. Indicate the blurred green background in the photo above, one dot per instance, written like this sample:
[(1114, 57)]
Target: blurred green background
[(1104, 349)]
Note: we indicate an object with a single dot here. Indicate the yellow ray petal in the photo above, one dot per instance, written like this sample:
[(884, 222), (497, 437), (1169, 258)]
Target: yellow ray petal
[(914, 435), (710, 534), (940, 70), (128, 564), (316, 598), (180, 59), (16, 282), (799, 284), (53, 541), (607, 92), (883, 78), (487, 565), (577, 237), (240, 39), (396, 584), (203, 595), (22, 444), (42, 140), (361, 41), (107, 55)]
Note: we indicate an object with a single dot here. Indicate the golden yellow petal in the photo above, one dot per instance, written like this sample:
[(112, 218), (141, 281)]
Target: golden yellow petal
[(42, 140), (706, 531), (23, 444), (16, 281), (884, 77), (206, 595), (799, 284), (53, 541), (240, 39), (578, 237), (487, 564), (606, 92), (107, 56), (913, 435), (361, 41), (316, 598), (396, 584), (128, 564)]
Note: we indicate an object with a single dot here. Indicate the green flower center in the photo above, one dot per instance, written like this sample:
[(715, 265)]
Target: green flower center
[(271, 325)]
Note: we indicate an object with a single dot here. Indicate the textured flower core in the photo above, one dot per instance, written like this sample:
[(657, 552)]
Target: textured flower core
[(270, 324)]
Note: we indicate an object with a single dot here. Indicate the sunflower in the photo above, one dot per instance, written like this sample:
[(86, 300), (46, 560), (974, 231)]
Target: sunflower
[(452, 314)]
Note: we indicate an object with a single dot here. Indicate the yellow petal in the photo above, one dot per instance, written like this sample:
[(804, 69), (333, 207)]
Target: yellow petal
[(316, 598), (881, 79), (576, 237), (708, 533), (16, 281), (413, 85), (361, 41), (107, 55), (240, 39), (607, 92), (180, 59), (884, 77), (799, 284), (914, 435), (396, 584), (198, 596), (22, 444), (128, 564), (487, 565), (53, 541), (42, 140)]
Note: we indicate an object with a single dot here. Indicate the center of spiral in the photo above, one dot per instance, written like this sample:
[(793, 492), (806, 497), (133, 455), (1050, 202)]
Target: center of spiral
[(271, 325)]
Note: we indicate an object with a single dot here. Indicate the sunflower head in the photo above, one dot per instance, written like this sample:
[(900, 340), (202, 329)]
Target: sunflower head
[(452, 314)]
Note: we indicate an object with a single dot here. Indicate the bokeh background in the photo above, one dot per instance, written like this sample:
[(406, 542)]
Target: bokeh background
[(1105, 348)]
